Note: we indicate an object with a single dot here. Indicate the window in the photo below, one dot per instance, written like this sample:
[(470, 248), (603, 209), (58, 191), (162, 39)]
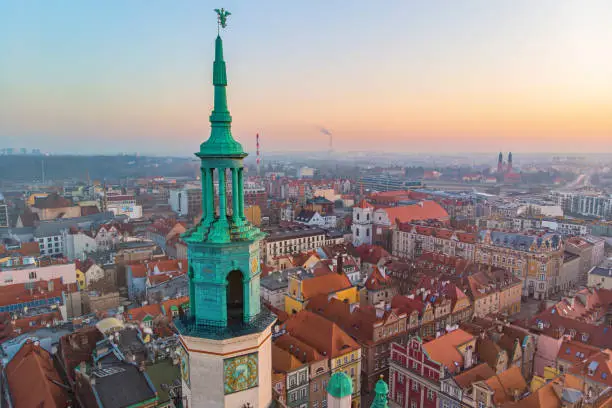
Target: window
[(445, 404), (413, 404), (315, 387), (481, 404), (32, 275), (415, 386), (414, 365), (400, 378), (430, 395)]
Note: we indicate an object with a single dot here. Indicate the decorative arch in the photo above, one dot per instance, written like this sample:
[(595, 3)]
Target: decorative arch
[(235, 296)]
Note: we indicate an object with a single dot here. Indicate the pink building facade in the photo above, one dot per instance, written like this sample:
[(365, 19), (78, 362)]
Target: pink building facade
[(32, 273)]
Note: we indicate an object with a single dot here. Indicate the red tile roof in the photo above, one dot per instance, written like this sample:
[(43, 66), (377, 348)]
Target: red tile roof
[(139, 313), (323, 335), (33, 380), (425, 210), (378, 280), (52, 201), (371, 254), (324, 284), (358, 321), (89, 210), (31, 323), (21, 293), (444, 349), (364, 204), (505, 384), (597, 367)]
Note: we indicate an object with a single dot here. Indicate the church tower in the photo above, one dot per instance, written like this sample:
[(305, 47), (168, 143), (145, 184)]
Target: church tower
[(226, 333), (509, 162), (500, 163), (363, 221)]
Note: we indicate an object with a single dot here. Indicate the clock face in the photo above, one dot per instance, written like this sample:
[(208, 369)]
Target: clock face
[(240, 373), (185, 366), (254, 265)]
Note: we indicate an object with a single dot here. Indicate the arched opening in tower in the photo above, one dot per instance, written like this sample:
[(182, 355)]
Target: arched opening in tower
[(235, 297)]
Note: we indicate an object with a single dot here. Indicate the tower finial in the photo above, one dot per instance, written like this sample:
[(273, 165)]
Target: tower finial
[(222, 18)]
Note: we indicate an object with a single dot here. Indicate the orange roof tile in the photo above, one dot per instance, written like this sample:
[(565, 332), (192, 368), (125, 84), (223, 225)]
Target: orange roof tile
[(139, 270), (425, 210), (444, 348), (505, 384), (139, 313), (298, 348), (283, 361), (480, 372), (33, 380), (323, 335), (324, 284), (378, 280)]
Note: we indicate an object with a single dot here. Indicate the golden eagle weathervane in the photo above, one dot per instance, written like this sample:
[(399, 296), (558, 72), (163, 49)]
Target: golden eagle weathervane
[(222, 18)]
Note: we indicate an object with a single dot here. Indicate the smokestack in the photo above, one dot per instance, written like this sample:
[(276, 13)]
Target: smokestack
[(339, 264), (258, 158)]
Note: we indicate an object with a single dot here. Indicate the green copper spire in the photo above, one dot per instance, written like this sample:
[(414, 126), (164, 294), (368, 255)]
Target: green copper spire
[(221, 142), (223, 248), (382, 391)]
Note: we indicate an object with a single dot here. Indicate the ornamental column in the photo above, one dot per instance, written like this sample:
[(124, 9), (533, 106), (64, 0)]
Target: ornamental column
[(235, 196), (222, 210), (241, 193)]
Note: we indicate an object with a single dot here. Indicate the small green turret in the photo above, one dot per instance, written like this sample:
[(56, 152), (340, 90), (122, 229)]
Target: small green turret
[(382, 391)]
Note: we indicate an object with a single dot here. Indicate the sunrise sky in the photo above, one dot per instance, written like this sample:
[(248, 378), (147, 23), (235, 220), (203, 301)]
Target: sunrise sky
[(415, 76)]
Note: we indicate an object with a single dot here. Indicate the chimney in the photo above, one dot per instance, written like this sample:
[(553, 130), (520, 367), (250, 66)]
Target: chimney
[(516, 394), (468, 358), (339, 264)]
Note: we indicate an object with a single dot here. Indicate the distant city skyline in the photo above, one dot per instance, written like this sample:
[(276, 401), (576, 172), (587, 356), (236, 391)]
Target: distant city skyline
[(437, 76)]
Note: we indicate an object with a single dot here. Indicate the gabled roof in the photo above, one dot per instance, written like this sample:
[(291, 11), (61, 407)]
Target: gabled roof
[(33, 379), (378, 280), (424, 210), (489, 351), (596, 368), (371, 254), (324, 284), (283, 361), (358, 321), (444, 349), (52, 201), (326, 337), (504, 385), (139, 313), (480, 372), (302, 351)]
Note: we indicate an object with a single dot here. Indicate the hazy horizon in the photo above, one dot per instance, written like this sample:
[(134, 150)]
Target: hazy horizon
[(437, 77)]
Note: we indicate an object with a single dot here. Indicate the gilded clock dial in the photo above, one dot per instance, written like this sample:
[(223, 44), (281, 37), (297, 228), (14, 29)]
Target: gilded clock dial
[(240, 373), (185, 367)]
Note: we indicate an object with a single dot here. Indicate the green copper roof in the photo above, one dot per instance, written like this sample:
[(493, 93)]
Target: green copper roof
[(340, 385), (382, 390), (221, 142)]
